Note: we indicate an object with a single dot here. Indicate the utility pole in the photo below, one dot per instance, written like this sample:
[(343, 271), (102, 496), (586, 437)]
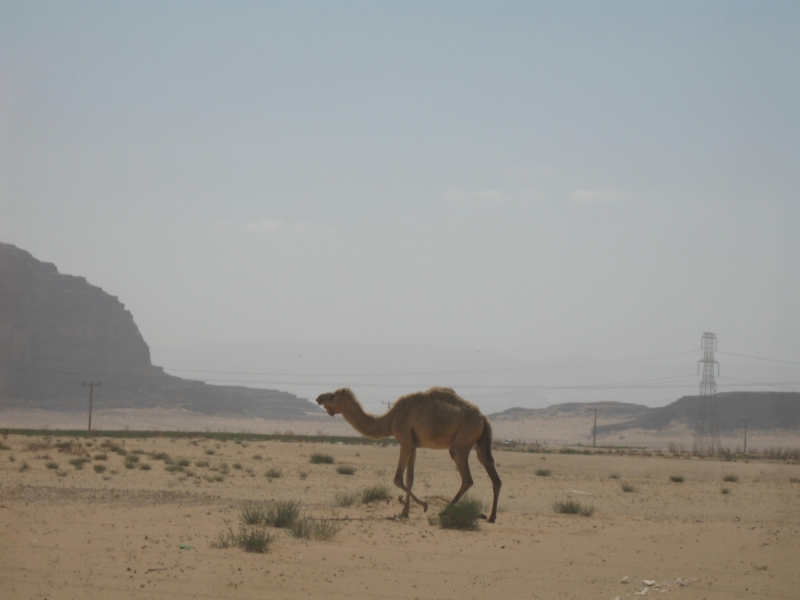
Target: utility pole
[(594, 429), (91, 385), (388, 404), (745, 434), (706, 436)]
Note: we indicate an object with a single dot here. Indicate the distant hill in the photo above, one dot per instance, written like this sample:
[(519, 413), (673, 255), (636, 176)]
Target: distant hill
[(620, 410), (57, 331), (765, 411)]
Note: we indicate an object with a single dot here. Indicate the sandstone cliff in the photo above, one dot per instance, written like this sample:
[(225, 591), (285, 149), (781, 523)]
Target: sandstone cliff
[(57, 331)]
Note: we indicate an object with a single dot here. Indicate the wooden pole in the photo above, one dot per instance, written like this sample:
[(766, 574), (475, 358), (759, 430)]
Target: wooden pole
[(91, 386), (745, 434)]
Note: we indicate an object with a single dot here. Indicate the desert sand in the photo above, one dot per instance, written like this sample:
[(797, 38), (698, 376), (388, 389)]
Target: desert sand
[(80, 533)]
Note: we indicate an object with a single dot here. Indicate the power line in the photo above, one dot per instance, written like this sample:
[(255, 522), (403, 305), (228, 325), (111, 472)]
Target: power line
[(786, 362)]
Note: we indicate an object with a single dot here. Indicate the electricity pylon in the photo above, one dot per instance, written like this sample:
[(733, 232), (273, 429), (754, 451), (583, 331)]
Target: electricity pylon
[(706, 433)]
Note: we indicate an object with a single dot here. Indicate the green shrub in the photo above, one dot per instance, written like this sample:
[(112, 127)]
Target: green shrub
[(159, 456), (726, 490), (201, 463), (101, 456), (543, 472), (24, 466), (321, 459), (99, 468), (183, 462), (143, 466), (627, 487), (463, 515), (52, 465), (613, 476), (572, 507), (375, 492), (210, 452), (274, 473), (237, 466), (676, 478), (345, 470), (730, 478)]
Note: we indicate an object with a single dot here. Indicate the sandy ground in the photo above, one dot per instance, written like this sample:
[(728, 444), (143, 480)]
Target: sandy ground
[(68, 533), (568, 430)]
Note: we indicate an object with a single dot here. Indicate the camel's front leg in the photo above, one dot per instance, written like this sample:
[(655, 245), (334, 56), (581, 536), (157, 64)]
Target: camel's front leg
[(407, 459)]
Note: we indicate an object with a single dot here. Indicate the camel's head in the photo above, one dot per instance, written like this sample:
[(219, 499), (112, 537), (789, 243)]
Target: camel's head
[(332, 402)]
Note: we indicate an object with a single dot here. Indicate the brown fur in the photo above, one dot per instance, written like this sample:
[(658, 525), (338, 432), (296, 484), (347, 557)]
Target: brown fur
[(438, 418)]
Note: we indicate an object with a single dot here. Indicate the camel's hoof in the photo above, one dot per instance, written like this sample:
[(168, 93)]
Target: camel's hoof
[(424, 507), (490, 520), (402, 516)]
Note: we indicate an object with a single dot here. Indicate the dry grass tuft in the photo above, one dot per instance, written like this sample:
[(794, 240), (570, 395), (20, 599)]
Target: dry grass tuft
[(573, 507)]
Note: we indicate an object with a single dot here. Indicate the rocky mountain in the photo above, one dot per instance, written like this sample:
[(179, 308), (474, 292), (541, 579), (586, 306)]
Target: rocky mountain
[(58, 331)]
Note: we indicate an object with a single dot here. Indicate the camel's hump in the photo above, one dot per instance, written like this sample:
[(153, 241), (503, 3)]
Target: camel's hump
[(444, 395)]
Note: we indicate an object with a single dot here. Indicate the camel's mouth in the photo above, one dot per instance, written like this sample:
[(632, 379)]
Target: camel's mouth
[(331, 411), (323, 400)]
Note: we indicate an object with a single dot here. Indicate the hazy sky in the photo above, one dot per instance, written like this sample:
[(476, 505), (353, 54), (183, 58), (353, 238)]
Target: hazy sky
[(602, 179)]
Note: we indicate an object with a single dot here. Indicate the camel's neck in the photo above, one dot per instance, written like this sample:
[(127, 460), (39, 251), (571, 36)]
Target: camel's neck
[(366, 424)]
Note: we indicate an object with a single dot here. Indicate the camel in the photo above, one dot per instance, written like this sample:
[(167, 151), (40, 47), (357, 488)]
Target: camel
[(438, 419)]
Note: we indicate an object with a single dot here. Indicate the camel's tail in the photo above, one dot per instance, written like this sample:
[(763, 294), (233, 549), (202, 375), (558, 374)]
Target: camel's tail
[(485, 441)]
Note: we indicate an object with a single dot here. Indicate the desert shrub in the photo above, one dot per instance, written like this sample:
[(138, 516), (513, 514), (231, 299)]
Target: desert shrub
[(345, 470), (251, 539), (144, 466), (628, 487), (274, 473), (4, 447), (257, 457), (345, 498), (321, 459), (210, 452), (462, 515), (24, 466), (543, 472), (375, 492), (731, 478), (283, 514), (794, 479), (317, 529), (613, 475), (303, 474), (676, 478), (183, 462), (99, 468), (573, 507), (52, 465), (237, 466), (726, 490), (113, 447), (159, 456), (78, 462), (201, 463), (132, 458), (101, 456), (253, 514), (173, 468)]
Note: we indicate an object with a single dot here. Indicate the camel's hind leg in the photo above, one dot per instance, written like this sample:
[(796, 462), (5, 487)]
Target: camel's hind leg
[(410, 480), (484, 451), (407, 459), (461, 458)]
